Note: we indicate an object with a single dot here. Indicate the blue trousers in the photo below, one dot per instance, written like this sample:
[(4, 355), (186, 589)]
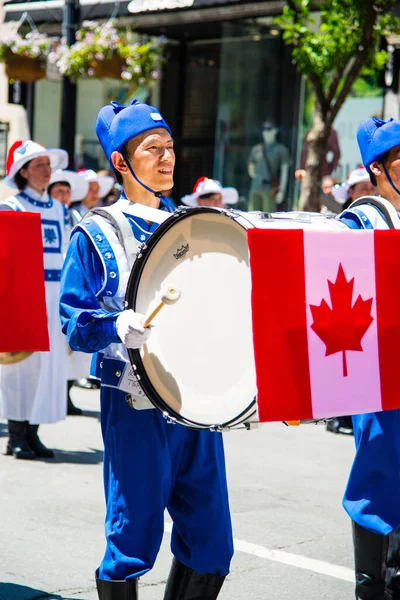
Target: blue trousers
[(372, 497), (150, 466)]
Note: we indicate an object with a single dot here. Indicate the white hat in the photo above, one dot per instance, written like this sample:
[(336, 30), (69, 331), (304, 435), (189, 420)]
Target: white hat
[(22, 152), (79, 185), (105, 182), (204, 185), (359, 175), (340, 192)]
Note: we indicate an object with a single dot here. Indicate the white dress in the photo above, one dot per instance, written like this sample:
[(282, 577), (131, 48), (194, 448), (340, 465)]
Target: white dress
[(34, 389), (78, 363)]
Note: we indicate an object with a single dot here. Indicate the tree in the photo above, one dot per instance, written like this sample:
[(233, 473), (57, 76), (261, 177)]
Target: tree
[(332, 55)]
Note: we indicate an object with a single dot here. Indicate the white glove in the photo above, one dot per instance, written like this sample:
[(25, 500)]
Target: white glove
[(130, 329)]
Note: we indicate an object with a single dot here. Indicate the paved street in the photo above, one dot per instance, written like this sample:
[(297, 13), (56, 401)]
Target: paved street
[(293, 539)]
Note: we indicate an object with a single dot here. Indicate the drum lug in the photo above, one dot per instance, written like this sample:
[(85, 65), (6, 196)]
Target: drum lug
[(231, 214), (168, 418), (218, 428), (139, 249), (251, 426), (180, 210)]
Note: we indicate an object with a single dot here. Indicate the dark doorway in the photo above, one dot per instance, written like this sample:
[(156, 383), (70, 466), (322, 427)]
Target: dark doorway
[(190, 104), (217, 92)]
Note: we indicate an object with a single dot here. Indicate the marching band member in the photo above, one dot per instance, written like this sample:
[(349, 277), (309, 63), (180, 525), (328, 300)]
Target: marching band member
[(359, 184), (98, 187), (373, 490), (87, 188), (33, 391), (149, 465), (66, 187), (209, 192)]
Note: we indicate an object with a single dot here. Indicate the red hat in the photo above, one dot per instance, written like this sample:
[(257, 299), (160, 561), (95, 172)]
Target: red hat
[(22, 152), (204, 185)]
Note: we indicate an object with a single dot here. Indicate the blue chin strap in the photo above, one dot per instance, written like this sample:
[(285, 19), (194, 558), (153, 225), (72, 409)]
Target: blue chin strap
[(157, 194), (390, 179)]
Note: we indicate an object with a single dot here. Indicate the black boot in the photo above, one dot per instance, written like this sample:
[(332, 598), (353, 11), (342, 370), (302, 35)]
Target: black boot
[(376, 559), (117, 590), (185, 584), (17, 443), (340, 425), (35, 443), (71, 408), (393, 566)]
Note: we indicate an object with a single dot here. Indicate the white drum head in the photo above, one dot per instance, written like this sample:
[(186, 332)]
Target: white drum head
[(198, 365), (199, 358)]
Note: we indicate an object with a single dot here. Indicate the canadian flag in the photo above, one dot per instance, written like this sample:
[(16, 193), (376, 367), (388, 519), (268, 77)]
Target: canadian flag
[(326, 322), (23, 320)]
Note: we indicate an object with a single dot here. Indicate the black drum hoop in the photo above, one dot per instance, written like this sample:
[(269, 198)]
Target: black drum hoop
[(130, 301)]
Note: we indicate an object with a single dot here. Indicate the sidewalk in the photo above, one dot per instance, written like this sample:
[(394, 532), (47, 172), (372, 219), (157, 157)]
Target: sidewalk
[(285, 491)]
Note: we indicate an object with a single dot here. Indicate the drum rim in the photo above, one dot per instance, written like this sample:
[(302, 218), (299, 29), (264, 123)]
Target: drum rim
[(135, 357)]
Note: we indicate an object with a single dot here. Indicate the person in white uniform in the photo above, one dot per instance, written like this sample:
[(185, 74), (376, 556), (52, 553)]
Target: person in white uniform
[(67, 187), (210, 192), (99, 187), (33, 391)]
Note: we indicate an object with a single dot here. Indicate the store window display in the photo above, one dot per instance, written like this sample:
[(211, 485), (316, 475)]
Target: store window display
[(330, 161), (268, 167)]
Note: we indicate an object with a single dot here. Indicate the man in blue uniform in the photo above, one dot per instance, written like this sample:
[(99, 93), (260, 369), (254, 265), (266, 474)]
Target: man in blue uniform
[(372, 497), (149, 465)]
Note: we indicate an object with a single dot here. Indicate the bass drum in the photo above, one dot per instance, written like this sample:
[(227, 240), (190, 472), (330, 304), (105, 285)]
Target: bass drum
[(198, 365)]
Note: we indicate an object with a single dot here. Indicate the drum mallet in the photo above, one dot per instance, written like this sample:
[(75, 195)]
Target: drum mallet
[(168, 295)]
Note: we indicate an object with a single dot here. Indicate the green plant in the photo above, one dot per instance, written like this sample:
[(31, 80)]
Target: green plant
[(31, 45), (133, 59), (332, 53)]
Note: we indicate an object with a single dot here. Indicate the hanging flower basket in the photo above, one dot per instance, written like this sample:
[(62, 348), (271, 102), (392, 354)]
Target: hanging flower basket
[(24, 68), (25, 56), (104, 50), (111, 67)]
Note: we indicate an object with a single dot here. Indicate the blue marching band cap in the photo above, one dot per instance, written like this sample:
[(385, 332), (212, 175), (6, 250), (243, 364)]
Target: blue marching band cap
[(375, 137), (116, 124)]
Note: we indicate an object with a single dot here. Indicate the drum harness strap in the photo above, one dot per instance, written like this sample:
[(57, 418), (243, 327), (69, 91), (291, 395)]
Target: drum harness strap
[(123, 227), (116, 217), (382, 205)]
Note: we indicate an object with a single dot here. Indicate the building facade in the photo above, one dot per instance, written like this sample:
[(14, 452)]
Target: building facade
[(227, 71)]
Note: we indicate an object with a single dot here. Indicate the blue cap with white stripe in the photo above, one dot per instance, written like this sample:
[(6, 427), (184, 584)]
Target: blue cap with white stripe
[(117, 124), (376, 137)]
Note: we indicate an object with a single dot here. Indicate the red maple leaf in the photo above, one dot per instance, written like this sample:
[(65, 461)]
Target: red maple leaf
[(343, 326)]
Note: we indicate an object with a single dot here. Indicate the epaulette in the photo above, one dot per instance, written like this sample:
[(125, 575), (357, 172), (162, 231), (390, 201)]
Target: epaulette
[(106, 250)]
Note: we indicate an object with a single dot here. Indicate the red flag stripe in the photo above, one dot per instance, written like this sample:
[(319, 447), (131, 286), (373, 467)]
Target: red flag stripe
[(279, 324), (23, 320), (387, 277)]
